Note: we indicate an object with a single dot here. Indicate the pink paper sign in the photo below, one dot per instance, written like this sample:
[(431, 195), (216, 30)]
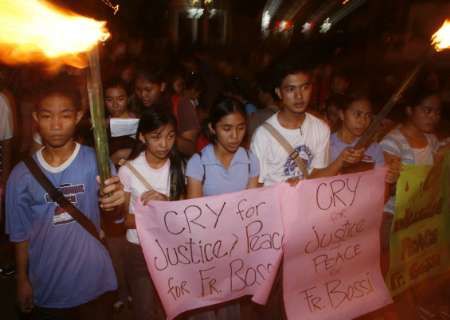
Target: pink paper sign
[(211, 250), (331, 267)]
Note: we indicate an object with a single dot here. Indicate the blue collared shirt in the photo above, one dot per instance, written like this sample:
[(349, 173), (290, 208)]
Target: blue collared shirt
[(216, 178)]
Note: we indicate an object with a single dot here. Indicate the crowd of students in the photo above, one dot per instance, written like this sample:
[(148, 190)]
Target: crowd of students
[(187, 145)]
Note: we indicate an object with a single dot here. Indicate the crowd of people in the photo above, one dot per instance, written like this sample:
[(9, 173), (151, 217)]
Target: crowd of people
[(207, 125)]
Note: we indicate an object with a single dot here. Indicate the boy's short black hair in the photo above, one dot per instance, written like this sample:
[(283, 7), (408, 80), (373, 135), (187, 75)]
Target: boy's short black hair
[(151, 74), (62, 85), (292, 66)]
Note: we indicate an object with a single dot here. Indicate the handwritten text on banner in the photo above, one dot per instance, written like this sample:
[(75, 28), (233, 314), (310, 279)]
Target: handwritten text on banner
[(331, 264), (211, 250), (420, 235)]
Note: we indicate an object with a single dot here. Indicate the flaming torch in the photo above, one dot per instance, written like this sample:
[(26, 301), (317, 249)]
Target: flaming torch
[(37, 31), (440, 41)]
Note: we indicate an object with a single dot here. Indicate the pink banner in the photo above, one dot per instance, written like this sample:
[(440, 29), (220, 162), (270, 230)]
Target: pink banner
[(211, 250), (331, 267)]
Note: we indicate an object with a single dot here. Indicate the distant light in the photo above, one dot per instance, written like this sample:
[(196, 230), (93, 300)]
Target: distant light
[(345, 2), (265, 21), (208, 2), (195, 13), (306, 27), (284, 25), (195, 2), (326, 26), (212, 13)]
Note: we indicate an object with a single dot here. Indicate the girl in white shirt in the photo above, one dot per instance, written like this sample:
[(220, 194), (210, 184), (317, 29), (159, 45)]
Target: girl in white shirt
[(412, 142), (157, 161)]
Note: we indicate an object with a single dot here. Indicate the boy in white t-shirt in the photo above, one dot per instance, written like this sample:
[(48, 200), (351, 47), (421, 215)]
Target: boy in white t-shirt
[(306, 133)]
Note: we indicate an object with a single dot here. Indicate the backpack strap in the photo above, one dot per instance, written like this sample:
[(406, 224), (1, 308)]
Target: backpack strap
[(293, 154), (137, 174), (60, 199), (249, 162), (200, 154)]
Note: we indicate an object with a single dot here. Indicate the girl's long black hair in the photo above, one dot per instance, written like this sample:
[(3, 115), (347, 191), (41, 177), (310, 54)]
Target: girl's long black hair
[(153, 119), (222, 107)]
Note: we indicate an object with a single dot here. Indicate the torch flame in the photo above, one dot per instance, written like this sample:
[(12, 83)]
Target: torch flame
[(37, 31), (441, 39)]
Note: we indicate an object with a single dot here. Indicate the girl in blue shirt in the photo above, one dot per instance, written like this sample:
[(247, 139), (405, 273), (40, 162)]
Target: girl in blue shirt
[(223, 166), (355, 114)]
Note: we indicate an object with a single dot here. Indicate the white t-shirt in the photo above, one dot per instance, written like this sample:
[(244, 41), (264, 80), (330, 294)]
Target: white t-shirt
[(157, 178), (312, 141), (6, 119), (423, 156)]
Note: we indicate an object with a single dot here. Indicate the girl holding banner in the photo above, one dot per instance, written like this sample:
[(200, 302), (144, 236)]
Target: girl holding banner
[(414, 141), (355, 113), (154, 172), (223, 166)]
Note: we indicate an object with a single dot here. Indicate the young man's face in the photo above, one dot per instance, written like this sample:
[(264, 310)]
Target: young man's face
[(57, 118), (148, 92), (295, 92)]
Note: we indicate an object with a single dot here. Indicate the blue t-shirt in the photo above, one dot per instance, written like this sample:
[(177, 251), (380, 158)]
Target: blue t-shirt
[(250, 108), (216, 179), (373, 154), (67, 266)]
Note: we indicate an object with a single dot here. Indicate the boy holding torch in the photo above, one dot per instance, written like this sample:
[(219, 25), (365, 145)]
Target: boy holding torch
[(63, 271)]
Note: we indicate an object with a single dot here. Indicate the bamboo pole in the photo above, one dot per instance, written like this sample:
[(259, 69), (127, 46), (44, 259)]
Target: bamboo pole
[(97, 110), (368, 135)]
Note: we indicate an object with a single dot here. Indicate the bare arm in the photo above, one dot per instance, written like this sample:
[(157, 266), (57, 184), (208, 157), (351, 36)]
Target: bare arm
[(22, 259), (394, 166), (130, 222), (112, 197), (349, 155), (194, 188), (24, 290), (332, 170), (253, 183)]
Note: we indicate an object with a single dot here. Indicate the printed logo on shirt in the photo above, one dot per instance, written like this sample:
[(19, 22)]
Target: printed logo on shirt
[(290, 167), (70, 192)]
